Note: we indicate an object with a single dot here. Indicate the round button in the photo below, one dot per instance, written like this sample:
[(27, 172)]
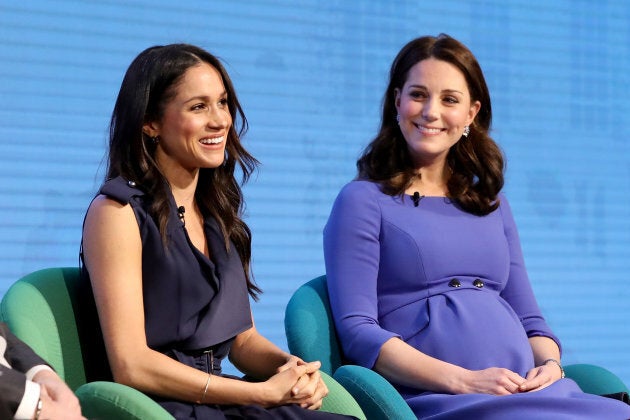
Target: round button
[(132, 184), (454, 283), (478, 283)]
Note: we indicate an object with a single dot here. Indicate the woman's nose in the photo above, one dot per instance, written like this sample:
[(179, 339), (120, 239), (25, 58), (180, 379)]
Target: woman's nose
[(218, 119), (429, 111)]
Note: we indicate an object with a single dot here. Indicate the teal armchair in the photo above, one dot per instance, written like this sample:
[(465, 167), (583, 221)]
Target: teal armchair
[(311, 335)]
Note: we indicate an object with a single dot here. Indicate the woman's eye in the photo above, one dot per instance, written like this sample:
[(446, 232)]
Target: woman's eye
[(451, 100), (417, 94), (223, 102), (198, 107)]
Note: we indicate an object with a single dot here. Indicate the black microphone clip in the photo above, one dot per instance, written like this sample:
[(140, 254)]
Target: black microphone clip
[(416, 198), (180, 212)]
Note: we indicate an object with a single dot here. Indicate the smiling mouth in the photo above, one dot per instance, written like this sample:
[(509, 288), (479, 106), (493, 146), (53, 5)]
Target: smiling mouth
[(213, 140), (427, 130)]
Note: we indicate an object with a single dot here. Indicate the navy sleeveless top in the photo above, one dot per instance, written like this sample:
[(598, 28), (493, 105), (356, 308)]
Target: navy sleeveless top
[(190, 301)]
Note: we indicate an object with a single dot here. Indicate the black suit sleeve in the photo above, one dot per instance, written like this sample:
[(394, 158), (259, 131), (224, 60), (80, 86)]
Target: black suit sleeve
[(20, 356), (13, 380), (12, 385)]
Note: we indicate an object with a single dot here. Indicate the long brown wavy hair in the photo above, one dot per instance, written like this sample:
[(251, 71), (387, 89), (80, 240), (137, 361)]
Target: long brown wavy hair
[(149, 83), (476, 162)]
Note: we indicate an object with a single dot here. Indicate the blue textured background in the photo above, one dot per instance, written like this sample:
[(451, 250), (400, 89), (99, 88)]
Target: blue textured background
[(310, 75)]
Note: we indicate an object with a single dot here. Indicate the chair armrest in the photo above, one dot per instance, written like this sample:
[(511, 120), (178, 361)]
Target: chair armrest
[(376, 396), (111, 400), (595, 379), (339, 400)]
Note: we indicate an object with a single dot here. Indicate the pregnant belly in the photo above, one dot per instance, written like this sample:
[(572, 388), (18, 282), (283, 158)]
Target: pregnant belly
[(470, 328)]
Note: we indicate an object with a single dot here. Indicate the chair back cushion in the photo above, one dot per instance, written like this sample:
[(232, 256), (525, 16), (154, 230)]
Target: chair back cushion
[(53, 312), (309, 326), (311, 335)]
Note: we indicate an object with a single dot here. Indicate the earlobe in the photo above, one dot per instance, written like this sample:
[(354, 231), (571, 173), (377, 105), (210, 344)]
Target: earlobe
[(150, 129), (397, 98)]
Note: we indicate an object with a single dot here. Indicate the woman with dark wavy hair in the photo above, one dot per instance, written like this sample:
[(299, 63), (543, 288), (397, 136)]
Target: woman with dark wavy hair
[(425, 272), (168, 255)]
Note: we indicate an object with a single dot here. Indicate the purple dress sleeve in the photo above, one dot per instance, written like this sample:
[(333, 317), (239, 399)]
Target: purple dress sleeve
[(518, 291), (351, 250)]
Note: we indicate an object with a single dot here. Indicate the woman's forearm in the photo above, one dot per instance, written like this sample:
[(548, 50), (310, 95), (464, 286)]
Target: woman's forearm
[(154, 373), (256, 356), (544, 348), (401, 363)]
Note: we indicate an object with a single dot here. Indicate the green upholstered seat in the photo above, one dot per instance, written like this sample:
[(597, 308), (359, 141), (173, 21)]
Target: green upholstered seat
[(41, 309)]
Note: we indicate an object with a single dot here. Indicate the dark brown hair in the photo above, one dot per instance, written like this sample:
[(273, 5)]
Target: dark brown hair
[(149, 83), (476, 162)]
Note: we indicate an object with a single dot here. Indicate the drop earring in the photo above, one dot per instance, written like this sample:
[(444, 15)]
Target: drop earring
[(466, 131), (398, 118), (155, 140)]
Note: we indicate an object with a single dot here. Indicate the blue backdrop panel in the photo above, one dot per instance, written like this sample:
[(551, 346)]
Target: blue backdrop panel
[(311, 76)]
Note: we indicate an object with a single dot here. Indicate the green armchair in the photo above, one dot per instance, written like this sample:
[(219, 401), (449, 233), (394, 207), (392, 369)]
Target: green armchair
[(46, 310), (41, 309), (311, 335)]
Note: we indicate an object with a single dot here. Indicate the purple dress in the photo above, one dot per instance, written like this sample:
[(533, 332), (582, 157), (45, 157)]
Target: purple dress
[(452, 285)]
